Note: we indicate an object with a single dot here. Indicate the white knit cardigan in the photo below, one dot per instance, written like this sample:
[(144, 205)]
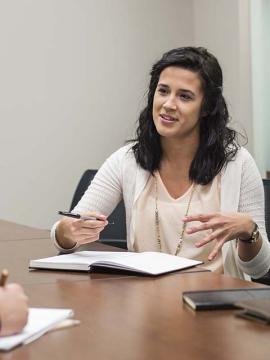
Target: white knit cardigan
[(241, 191)]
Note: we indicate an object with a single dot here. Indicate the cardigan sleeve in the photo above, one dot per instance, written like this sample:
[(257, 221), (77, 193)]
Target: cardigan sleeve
[(104, 192), (252, 202)]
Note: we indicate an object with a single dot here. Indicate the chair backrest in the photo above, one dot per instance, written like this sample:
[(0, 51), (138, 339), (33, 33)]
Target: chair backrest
[(82, 186), (118, 216), (266, 185)]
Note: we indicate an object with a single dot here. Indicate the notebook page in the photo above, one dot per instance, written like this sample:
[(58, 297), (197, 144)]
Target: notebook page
[(84, 257), (153, 262), (40, 320)]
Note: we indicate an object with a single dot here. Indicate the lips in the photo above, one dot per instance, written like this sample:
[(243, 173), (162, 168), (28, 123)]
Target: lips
[(167, 118)]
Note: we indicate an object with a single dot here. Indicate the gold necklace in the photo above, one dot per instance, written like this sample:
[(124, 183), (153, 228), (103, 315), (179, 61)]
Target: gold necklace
[(180, 241)]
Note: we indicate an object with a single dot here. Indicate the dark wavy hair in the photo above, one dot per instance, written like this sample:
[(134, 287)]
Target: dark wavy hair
[(218, 143)]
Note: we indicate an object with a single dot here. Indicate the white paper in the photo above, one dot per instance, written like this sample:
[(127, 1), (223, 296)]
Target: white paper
[(40, 320), (152, 263), (155, 263)]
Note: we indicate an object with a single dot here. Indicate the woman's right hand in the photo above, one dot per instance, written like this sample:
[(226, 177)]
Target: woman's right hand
[(13, 309), (71, 232)]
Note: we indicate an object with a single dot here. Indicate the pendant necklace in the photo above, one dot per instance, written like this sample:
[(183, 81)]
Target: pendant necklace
[(157, 223)]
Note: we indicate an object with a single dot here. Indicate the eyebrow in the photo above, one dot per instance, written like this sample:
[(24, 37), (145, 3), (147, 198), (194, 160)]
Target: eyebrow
[(182, 90)]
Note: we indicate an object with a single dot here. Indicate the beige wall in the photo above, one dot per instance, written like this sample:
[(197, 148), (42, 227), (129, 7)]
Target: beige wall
[(223, 26), (72, 78)]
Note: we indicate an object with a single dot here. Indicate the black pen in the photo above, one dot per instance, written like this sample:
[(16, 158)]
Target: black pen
[(81, 217)]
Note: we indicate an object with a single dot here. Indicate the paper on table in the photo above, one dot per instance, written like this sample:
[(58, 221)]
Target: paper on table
[(40, 320), (151, 262)]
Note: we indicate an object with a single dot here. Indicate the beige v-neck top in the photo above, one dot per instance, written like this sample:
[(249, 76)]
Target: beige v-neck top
[(205, 199)]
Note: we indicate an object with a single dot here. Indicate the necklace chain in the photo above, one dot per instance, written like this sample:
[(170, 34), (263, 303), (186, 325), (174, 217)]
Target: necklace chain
[(180, 241)]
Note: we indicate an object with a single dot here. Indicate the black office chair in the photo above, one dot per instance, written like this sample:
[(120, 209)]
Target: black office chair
[(114, 235), (266, 184)]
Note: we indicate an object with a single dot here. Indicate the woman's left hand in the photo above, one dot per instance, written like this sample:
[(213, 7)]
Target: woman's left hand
[(224, 226)]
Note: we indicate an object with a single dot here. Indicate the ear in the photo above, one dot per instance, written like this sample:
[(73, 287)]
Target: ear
[(204, 114), (204, 110)]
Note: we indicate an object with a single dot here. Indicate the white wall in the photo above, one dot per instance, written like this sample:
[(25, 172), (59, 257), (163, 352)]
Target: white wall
[(260, 30), (72, 78)]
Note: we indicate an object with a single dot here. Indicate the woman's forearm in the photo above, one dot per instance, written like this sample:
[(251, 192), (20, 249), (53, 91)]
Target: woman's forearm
[(247, 251)]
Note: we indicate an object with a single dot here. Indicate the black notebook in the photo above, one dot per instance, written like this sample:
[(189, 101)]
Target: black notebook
[(256, 310), (223, 299)]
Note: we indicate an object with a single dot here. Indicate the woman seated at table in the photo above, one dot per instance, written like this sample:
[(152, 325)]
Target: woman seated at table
[(189, 188), (13, 309)]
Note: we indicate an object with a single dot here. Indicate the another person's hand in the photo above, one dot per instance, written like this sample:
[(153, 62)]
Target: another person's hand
[(71, 232), (13, 309), (223, 227)]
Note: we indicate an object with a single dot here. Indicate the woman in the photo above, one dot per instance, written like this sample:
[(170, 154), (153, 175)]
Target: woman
[(189, 188)]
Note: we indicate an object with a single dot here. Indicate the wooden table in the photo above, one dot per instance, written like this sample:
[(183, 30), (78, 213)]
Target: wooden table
[(12, 231), (131, 317)]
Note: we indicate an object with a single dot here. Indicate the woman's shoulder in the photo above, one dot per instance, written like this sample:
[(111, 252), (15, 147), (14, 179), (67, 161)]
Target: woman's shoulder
[(241, 163), (123, 153), (125, 149), (242, 155), (243, 152)]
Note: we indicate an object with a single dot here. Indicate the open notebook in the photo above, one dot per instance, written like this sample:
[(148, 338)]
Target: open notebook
[(150, 263), (40, 320)]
